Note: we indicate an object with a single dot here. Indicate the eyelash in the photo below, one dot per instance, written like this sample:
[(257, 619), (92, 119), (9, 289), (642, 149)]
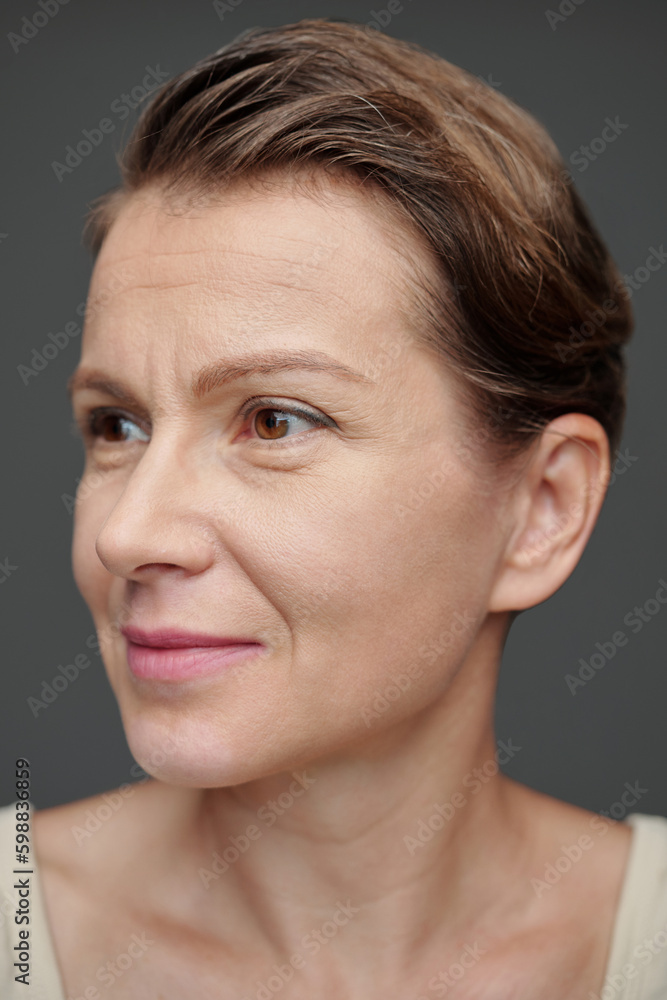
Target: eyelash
[(89, 424)]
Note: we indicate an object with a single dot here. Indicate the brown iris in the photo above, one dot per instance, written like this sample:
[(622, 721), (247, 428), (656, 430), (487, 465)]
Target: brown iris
[(109, 426), (275, 423)]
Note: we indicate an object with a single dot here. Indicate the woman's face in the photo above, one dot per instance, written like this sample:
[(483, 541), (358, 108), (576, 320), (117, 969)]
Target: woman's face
[(360, 552)]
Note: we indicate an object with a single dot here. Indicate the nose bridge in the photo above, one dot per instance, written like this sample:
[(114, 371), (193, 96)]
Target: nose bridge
[(157, 517)]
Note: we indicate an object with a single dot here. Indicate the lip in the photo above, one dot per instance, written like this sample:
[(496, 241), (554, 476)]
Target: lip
[(167, 654)]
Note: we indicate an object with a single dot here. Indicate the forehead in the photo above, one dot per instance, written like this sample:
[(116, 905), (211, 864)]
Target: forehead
[(330, 238), (258, 266)]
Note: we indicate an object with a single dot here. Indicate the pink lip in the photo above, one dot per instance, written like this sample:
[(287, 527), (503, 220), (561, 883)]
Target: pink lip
[(171, 655)]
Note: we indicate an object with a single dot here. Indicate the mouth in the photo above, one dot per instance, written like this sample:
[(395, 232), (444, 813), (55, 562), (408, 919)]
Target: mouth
[(167, 654)]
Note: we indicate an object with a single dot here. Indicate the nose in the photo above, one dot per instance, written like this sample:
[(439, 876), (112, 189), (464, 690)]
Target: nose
[(161, 520)]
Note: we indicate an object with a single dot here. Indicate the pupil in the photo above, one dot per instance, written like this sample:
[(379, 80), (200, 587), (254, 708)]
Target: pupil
[(114, 429), (111, 427)]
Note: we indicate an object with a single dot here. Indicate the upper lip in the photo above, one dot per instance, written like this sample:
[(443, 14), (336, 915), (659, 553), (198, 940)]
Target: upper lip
[(171, 638)]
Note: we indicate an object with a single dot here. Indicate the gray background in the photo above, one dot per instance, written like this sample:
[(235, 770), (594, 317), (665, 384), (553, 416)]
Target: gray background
[(604, 59)]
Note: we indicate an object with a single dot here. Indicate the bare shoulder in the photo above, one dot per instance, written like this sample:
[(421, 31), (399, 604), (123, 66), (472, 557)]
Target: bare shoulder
[(567, 896), (81, 834), (90, 854), (588, 847), (85, 850)]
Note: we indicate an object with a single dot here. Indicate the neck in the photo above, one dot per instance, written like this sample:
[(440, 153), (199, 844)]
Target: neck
[(414, 829)]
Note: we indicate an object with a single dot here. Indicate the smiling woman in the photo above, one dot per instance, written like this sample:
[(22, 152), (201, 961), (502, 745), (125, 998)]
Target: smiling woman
[(346, 281)]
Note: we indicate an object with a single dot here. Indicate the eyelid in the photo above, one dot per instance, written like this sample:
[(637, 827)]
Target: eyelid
[(266, 402)]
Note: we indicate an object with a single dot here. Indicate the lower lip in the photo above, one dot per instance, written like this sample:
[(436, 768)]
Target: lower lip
[(183, 663)]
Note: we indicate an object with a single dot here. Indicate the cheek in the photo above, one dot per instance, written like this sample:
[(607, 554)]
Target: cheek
[(373, 590), (90, 511), (370, 587), (381, 612)]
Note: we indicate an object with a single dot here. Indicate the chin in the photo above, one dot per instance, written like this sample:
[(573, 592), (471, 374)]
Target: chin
[(177, 755), (193, 752)]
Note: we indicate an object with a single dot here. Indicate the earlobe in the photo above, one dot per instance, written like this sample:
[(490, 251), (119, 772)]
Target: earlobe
[(555, 506)]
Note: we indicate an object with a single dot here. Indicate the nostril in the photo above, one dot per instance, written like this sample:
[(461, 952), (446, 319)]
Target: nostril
[(157, 565)]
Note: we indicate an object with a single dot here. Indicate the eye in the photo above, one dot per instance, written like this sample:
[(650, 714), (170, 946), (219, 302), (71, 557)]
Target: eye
[(112, 426), (271, 423)]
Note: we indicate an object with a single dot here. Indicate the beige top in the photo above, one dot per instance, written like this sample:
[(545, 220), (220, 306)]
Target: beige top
[(637, 967)]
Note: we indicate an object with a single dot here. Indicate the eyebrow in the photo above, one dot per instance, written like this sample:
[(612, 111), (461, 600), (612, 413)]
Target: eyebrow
[(217, 373)]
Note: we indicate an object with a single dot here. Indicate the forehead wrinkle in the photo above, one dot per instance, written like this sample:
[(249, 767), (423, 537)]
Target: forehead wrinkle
[(319, 247), (386, 266), (265, 261), (160, 287), (222, 286), (381, 257), (213, 279)]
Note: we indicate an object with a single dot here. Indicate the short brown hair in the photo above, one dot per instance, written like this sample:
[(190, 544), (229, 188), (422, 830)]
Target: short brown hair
[(523, 301)]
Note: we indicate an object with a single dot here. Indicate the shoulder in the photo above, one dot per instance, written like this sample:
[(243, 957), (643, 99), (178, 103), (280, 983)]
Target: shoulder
[(94, 847), (87, 852), (639, 946), (581, 852), (555, 941), (89, 834)]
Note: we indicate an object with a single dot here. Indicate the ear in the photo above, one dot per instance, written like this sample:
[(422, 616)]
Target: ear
[(552, 511)]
